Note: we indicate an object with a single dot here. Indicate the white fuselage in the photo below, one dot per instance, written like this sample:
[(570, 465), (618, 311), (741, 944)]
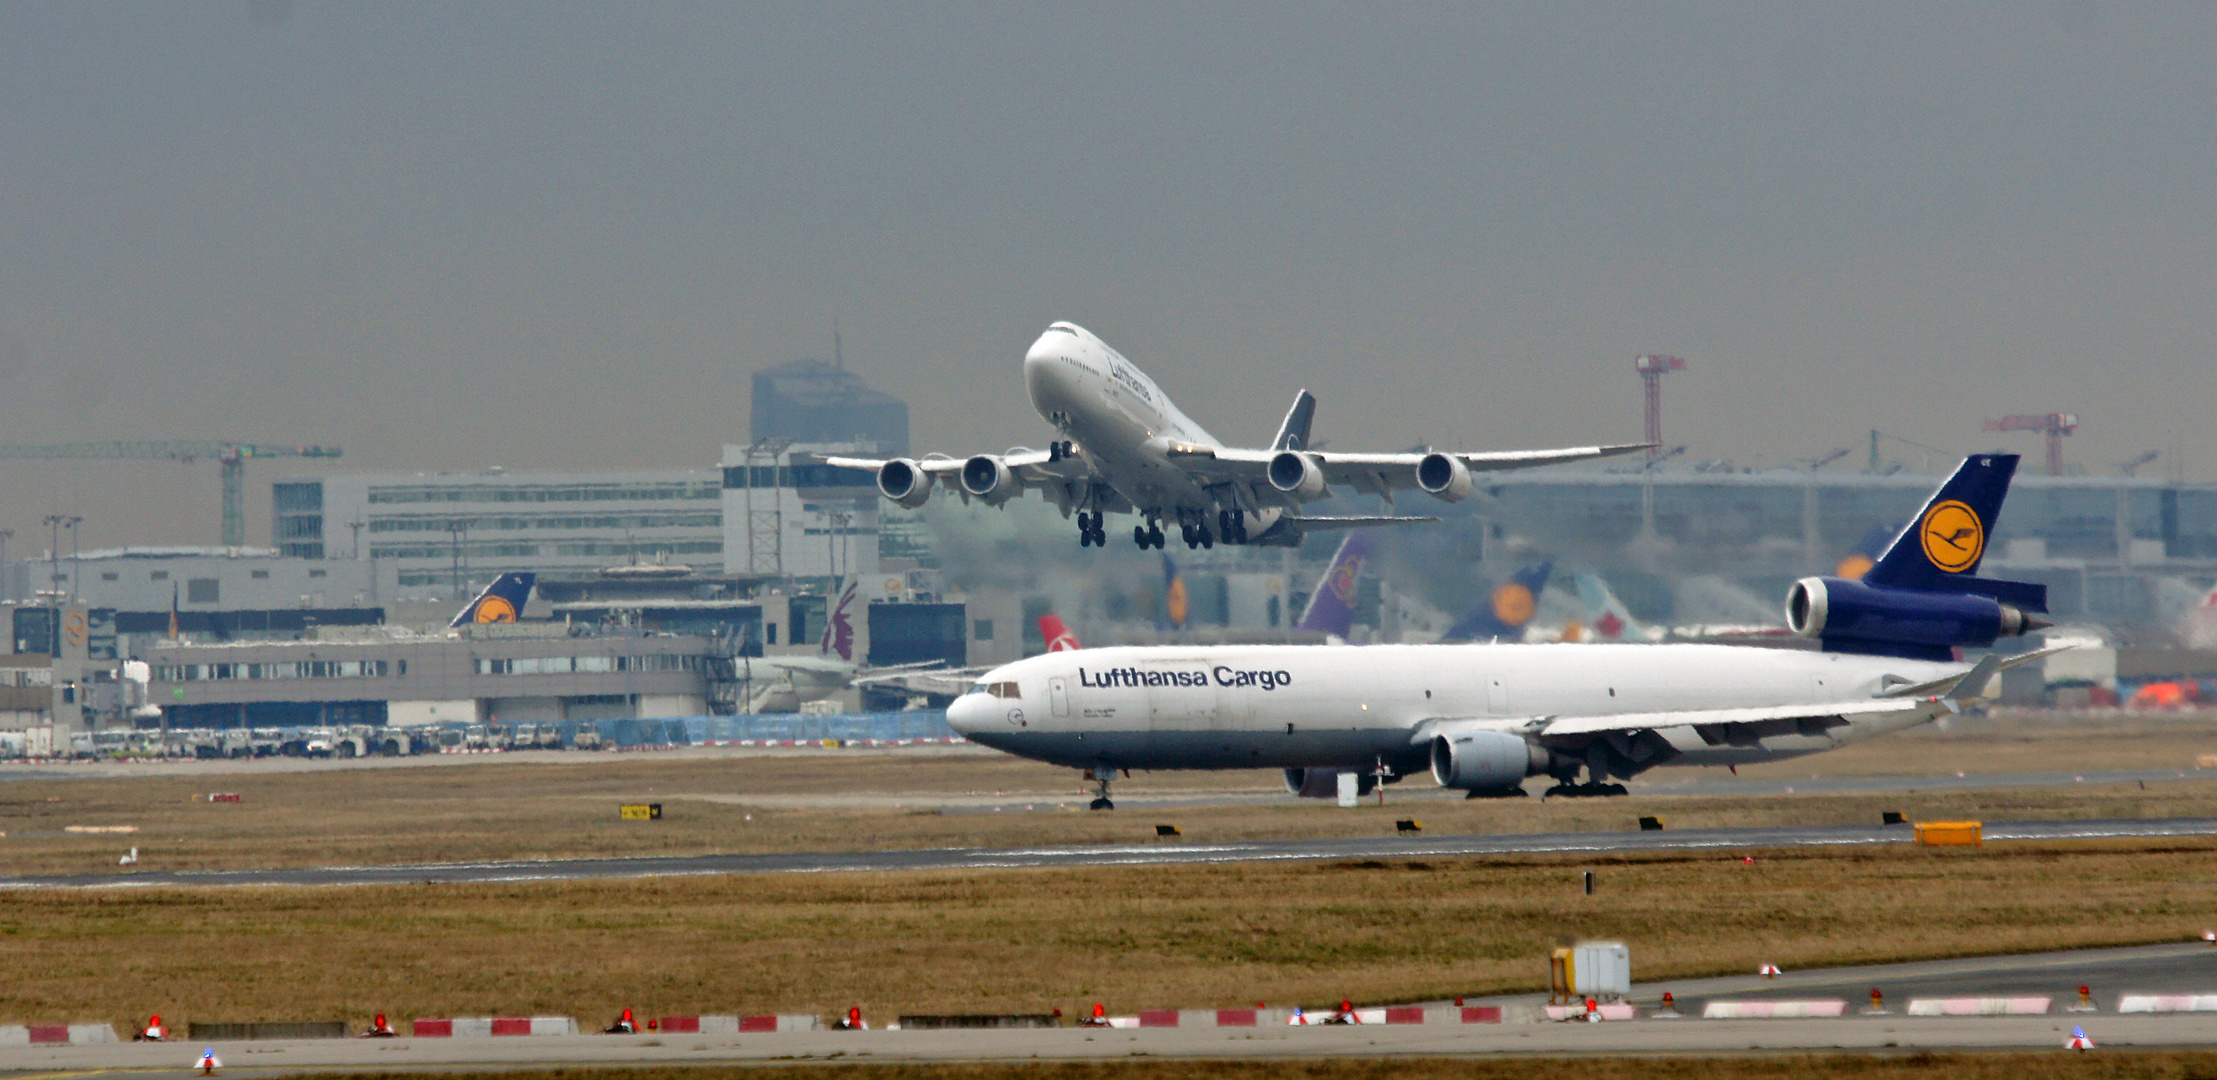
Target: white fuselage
[(1294, 706), (1122, 422)]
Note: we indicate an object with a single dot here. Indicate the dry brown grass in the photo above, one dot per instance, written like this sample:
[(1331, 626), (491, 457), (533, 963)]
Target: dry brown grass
[(718, 802), (1918, 1066), (1028, 941)]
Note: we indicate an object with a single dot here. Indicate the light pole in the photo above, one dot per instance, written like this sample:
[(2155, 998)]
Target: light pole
[(54, 552), (7, 581), (460, 529), (76, 565)]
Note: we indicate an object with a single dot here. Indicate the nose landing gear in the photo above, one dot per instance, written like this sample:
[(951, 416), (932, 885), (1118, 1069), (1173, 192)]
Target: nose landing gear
[(1102, 774)]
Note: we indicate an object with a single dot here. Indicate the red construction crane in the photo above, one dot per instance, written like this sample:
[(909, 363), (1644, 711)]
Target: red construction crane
[(2054, 425), (1651, 369)]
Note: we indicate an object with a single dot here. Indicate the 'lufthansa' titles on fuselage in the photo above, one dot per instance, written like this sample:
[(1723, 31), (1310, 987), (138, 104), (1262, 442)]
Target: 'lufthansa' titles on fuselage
[(1219, 675)]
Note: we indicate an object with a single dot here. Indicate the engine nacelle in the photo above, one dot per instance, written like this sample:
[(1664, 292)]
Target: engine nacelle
[(1485, 760), (988, 478), (1324, 783), (904, 482), (1297, 474), (1444, 477), (1871, 618)]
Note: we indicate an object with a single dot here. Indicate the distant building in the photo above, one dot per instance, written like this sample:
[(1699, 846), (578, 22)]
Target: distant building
[(811, 401), (787, 514), (442, 531)]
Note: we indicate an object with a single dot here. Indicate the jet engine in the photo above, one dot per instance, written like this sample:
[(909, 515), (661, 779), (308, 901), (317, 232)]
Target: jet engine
[(1297, 474), (1868, 618), (1324, 783), (1444, 477), (904, 482), (988, 478), (1485, 760)]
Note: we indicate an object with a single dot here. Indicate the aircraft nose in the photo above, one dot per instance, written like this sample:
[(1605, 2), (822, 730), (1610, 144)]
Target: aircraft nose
[(969, 713)]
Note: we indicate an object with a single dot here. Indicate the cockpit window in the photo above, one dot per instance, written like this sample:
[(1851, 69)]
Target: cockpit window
[(998, 689)]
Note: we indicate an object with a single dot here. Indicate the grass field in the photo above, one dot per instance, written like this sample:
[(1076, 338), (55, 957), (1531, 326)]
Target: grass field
[(1022, 940), (2168, 1065), (717, 802), (1032, 940)]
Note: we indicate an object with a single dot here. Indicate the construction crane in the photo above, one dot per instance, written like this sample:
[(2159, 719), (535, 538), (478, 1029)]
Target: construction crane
[(1651, 369), (2054, 425), (230, 455), (2132, 468)]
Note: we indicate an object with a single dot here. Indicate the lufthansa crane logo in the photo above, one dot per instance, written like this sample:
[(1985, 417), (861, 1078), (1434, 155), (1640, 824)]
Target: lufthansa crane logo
[(495, 609), (1953, 536), (1513, 604)]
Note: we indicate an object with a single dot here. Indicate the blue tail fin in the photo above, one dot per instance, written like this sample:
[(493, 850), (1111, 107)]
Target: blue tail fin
[(1331, 609), (1940, 549), (1504, 613), (1293, 433), (502, 601)]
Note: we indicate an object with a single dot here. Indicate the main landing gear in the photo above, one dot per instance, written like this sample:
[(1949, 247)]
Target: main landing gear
[(1102, 774), (1148, 535), (1091, 533), (1589, 790), (1232, 526)]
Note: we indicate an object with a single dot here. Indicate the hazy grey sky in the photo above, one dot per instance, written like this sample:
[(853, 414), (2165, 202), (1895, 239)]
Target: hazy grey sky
[(444, 236)]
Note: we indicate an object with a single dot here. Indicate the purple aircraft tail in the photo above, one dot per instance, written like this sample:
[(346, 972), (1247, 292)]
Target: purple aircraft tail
[(1331, 607)]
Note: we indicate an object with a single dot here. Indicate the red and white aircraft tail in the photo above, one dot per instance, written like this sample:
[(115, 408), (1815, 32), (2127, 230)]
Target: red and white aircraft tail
[(1058, 637)]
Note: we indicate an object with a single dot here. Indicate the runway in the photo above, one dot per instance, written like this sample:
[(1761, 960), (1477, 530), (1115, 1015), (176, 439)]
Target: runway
[(1168, 853)]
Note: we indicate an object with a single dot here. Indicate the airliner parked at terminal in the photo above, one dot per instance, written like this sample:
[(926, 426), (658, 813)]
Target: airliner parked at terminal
[(1485, 717), (1129, 450)]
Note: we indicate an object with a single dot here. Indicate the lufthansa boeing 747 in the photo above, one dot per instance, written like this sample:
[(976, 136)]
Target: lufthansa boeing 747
[(1483, 718), (1127, 449)]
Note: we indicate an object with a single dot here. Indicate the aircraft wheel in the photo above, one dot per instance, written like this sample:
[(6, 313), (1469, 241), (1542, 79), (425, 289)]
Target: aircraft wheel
[(1207, 540), (1101, 804), (1139, 536)]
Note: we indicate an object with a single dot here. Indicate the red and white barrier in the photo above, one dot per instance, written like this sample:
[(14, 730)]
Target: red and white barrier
[(56, 1034), (736, 1025), (1772, 1010), (2167, 1003), (479, 1027), (1978, 1006), (1614, 1010)]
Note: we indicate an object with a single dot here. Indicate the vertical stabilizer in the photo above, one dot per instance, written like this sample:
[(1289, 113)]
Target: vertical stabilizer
[(502, 601), (1331, 609), (1945, 542), (1293, 434), (838, 639), (1175, 602), (1056, 634), (1504, 613)]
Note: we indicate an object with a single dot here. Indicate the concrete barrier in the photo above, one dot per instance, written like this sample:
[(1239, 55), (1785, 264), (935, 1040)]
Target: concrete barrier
[(1978, 1006), (2167, 1003), (1773, 1010), (279, 1029), (973, 1021), (479, 1027), (56, 1034)]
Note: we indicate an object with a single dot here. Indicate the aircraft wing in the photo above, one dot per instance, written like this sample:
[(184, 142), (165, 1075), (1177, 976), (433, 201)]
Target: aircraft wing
[(1061, 480), (1377, 474), (1355, 521), (1819, 716)]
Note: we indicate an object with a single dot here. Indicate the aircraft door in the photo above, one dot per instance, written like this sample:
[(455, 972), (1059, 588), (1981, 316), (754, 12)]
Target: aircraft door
[(1058, 696)]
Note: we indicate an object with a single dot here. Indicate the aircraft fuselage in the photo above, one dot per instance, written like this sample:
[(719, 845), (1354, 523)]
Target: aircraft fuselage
[(1294, 706)]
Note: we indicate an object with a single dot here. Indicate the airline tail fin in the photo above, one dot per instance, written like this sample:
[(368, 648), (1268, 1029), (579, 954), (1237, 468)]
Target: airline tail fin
[(502, 601), (1504, 613), (1331, 609), (838, 639), (1940, 549), (1174, 599), (1058, 636), (1606, 616), (1293, 433)]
